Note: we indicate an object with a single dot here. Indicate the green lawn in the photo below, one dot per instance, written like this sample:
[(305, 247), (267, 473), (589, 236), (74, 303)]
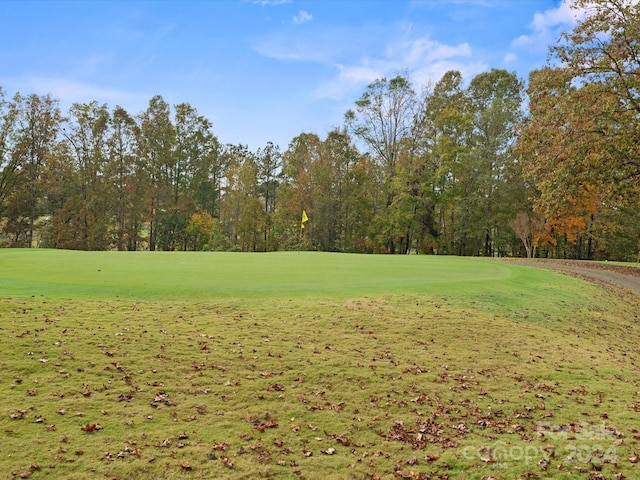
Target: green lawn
[(207, 276), (203, 276), (312, 365)]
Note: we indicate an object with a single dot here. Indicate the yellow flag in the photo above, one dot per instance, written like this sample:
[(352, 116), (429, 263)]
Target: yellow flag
[(304, 218)]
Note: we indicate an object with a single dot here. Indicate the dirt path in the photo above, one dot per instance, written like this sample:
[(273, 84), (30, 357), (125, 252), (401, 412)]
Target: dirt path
[(622, 276)]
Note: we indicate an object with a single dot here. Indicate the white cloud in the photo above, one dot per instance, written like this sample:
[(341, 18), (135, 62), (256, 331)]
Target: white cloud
[(481, 3), (509, 59), (423, 59), (348, 82), (433, 72), (353, 58), (302, 17), (72, 91), (425, 49), (546, 27), (315, 44), (271, 2), (282, 47), (359, 74)]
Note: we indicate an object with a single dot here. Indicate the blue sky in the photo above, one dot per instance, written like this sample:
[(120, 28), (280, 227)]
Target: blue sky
[(262, 70)]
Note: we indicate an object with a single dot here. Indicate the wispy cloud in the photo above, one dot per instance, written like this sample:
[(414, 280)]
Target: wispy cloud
[(72, 91), (302, 17), (358, 57), (423, 59), (481, 3), (316, 45), (425, 49), (281, 47), (509, 59), (547, 25), (358, 74), (271, 2)]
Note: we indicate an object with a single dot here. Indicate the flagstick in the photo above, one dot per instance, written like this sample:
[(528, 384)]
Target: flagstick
[(303, 219), (300, 238)]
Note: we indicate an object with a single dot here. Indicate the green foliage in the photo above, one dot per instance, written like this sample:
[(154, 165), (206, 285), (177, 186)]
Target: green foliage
[(580, 144), (444, 167), (199, 230), (34, 124), (332, 182), (8, 163)]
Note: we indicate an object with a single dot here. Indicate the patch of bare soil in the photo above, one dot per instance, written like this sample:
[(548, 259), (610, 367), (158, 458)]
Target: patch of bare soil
[(620, 275)]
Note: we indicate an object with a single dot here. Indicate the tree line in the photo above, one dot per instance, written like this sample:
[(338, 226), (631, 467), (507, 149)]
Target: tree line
[(477, 166)]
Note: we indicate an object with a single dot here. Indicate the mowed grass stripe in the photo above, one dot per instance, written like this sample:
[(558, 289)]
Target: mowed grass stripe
[(204, 276), (154, 274)]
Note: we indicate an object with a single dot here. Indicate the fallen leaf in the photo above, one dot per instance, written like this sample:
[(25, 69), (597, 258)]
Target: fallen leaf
[(91, 427), (543, 464)]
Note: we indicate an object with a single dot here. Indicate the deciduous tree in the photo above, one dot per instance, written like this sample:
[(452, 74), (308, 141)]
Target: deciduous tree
[(496, 98), (156, 149), (581, 144), (128, 180), (88, 203), (530, 229), (38, 120), (8, 162)]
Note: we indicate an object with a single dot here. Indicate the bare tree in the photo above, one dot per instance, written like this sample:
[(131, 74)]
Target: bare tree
[(528, 229)]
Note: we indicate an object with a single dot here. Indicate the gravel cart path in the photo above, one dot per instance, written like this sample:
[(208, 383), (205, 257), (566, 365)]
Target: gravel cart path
[(623, 276)]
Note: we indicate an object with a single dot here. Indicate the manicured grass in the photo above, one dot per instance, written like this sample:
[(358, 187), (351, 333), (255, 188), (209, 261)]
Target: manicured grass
[(248, 373), (203, 276)]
